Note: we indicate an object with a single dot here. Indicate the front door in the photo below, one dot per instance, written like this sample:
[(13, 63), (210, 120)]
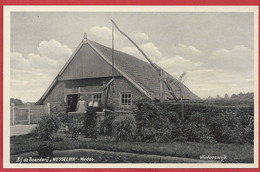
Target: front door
[(72, 102)]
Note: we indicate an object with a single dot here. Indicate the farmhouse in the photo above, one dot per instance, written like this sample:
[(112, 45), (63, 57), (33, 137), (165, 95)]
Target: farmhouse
[(89, 71)]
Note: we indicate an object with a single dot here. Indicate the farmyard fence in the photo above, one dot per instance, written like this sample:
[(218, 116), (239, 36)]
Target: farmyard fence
[(28, 114)]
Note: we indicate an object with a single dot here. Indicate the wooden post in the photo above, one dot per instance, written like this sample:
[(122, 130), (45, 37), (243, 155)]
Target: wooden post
[(29, 113), (161, 86), (182, 105), (13, 122), (48, 108)]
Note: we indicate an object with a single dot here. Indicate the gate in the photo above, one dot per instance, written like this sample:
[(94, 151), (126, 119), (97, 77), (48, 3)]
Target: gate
[(28, 114)]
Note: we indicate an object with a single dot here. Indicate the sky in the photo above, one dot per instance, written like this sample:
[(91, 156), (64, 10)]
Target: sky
[(215, 49)]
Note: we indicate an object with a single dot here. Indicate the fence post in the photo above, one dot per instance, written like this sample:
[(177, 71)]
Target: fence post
[(48, 108), (13, 113), (29, 113)]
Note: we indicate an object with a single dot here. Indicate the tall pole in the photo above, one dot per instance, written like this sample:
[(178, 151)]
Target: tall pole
[(108, 88), (29, 113), (161, 86), (113, 52), (13, 122), (149, 60), (113, 61)]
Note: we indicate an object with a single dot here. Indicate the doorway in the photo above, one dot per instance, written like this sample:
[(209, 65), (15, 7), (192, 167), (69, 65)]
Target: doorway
[(72, 102)]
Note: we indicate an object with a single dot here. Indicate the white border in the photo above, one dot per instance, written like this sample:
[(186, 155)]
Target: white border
[(6, 79)]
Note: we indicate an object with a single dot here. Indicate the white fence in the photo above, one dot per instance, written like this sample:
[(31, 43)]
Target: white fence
[(28, 114)]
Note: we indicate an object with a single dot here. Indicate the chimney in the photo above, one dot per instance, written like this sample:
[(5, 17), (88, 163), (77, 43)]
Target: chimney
[(85, 38)]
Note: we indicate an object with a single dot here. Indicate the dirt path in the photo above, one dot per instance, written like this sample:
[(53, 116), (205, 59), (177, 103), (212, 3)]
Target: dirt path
[(100, 156)]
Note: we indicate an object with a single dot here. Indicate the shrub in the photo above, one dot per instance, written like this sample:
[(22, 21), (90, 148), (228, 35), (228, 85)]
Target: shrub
[(124, 127), (198, 132), (248, 134), (90, 122), (45, 150), (232, 135), (230, 128), (198, 117), (209, 110), (226, 124), (152, 124), (106, 126), (57, 137), (47, 126), (176, 124), (217, 125)]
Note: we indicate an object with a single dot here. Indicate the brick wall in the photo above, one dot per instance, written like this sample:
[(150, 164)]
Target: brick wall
[(57, 97), (57, 94), (123, 85)]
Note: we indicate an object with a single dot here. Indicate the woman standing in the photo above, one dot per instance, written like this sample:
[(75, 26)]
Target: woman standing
[(82, 105)]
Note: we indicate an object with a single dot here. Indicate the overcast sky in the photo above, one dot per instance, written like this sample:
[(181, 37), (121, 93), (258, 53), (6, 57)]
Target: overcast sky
[(215, 49)]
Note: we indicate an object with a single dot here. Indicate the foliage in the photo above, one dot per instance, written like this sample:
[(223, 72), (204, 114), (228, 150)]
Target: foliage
[(124, 127), (203, 122), (56, 137), (106, 126), (90, 122), (45, 150), (232, 128), (198, 117), (209, 109), (152, 123), (235, 99), (47, 126), (176, 124), (198, 132), (16, 101)]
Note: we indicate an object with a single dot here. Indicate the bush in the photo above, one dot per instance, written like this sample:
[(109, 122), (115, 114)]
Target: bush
[(176, 124), (106, 126), (232, 135), (198, 117), (90, 123), (216, 125), (209, 110), (124, 127), (198, 132), (232, 128), (203, 122), (47, 126), (45, 150), (56, 137), (153, 125)]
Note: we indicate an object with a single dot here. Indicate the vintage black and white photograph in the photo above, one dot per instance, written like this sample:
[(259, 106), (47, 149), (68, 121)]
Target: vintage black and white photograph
[(136, 86)]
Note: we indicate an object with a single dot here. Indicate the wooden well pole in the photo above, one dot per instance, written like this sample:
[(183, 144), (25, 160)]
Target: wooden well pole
[(161, 86)]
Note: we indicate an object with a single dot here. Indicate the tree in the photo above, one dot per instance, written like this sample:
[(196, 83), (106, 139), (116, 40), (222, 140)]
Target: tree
[(16, 101), (218, 97), (226, 97)]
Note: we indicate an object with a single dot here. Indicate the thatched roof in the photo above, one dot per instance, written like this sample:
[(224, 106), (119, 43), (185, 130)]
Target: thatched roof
[(140, 73)]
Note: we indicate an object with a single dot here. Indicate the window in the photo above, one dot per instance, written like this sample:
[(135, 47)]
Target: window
[(97, 97), (126, 99)]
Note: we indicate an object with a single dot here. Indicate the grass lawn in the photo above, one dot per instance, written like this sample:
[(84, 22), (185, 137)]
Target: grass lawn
[(100, 156), (234, 152)]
